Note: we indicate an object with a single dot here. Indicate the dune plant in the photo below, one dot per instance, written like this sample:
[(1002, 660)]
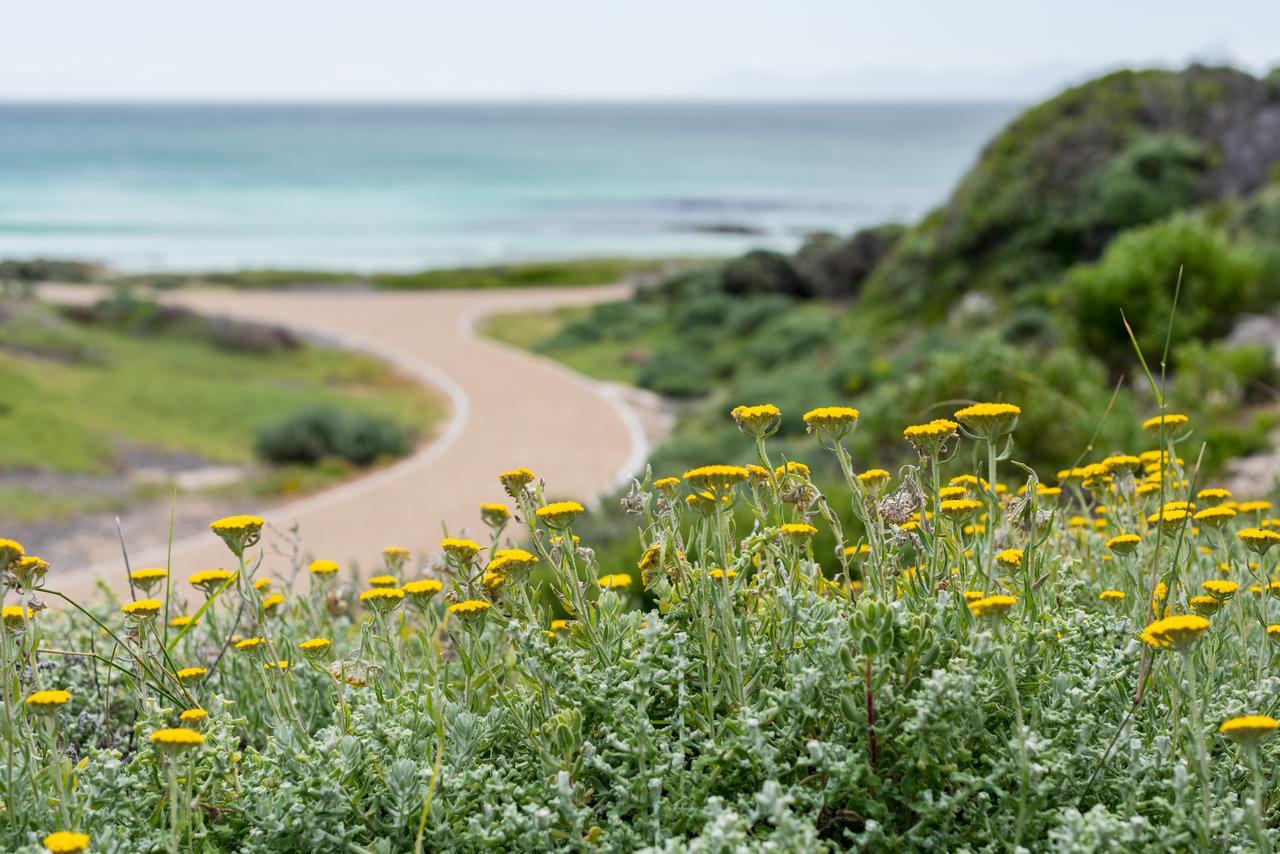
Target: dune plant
[(986, 661)]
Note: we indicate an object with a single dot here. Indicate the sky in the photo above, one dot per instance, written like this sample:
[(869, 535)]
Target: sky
[(607, 49)]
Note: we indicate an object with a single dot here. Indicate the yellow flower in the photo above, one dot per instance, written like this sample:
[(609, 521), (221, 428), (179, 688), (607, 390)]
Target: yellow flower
[(973, 595), (756, 420), (1168, 519), (715, 479), (194, 716), (15, 617), (992, 606), (1178, 632), (719, 574), (282, 664), (1215, 517), (959, 509), (210, 579), (797, 532), (323, 568), (515, 481), (249, 644), (873, 479), (510, 561), (1220, 588), (28, 569), (756, 473), (616, 581), (560, 513), (422, 589), (181, 621), (834, 422), (1254, 506), (192, 674), (1249, 727), (1122, 463), (1205, 605), (988, 420), (48, 701), (10, 550), (705, 503), (1169, 421), (494, 515), (492, 580), (66, 842), (560, 625), (395, 557), (470, 608), (1124, 543), (1111, 595), (315, 647), (176, 739), (1258, 540), (238, 532), (143, 609), (272, 602), (1215, 495), (382, 598), (461, 551), (791, 468), (857, 551), (1010, 558), (149, 578), (928, 438), (1273, 632), (667, 485), (384, 581), (951, 493), (261, 584)]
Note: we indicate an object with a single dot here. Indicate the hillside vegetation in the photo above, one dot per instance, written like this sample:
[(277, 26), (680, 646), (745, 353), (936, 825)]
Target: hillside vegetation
[(88, 395), (1088, 205)]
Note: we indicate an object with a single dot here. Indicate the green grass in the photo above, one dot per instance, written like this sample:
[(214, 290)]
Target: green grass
[(581, 271), (613, 360), (70, 411)]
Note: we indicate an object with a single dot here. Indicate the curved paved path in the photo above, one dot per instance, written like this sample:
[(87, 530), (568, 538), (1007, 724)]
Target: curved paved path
[(507, 409)]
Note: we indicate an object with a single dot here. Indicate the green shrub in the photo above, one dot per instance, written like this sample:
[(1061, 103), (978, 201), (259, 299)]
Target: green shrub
[(320, 431), (676, 371), (1138, 274)]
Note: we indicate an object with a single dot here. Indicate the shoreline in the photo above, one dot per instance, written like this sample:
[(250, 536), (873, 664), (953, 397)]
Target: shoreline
[(578, 271)]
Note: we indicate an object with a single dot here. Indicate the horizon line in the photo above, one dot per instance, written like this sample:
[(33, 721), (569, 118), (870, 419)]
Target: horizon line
[(504, 101)]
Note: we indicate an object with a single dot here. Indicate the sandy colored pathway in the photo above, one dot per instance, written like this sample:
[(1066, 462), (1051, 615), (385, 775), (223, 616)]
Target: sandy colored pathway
[(507, 409)]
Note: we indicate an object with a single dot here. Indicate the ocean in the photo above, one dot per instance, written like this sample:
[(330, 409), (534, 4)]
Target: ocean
[(408, 186)]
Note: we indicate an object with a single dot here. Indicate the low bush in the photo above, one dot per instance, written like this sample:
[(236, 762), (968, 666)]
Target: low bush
[(320, 431), (1220, 281), (1081, 663)]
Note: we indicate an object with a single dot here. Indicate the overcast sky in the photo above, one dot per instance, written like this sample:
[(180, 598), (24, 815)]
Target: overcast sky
[(603, 49)]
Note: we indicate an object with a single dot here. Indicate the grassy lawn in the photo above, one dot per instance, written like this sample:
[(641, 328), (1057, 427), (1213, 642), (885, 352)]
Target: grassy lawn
[(581, 271), (614, 360), (77, 398)]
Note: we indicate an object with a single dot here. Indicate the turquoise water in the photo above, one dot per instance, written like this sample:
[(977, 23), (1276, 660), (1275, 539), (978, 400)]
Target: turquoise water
[(393, 187)]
